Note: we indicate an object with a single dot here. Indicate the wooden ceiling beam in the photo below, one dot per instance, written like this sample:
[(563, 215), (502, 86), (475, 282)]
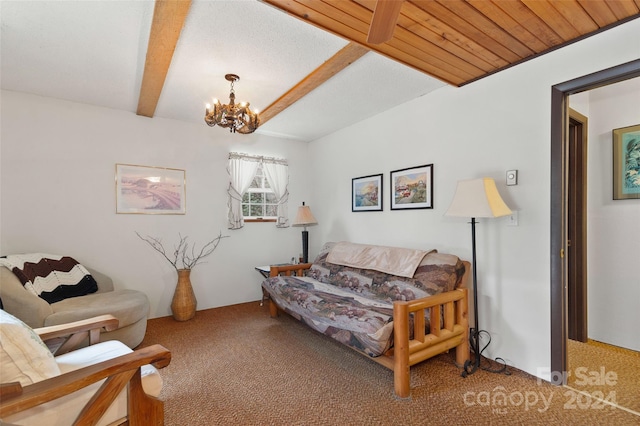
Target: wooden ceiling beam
[(168, 20), (343, 58), (383, 22)]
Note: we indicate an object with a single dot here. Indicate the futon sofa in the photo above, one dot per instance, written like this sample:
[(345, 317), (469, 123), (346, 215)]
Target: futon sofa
[(397, 306), (130, 307)]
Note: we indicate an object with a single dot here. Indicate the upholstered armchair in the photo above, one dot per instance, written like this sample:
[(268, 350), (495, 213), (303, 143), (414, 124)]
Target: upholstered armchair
[(130, 307), (102, 384)]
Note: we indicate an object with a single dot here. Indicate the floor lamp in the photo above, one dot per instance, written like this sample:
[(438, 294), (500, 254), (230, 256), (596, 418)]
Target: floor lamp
[(305, 218), (476, 198)]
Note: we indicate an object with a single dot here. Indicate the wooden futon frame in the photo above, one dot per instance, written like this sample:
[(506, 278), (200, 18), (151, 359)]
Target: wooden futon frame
[(452, 332)]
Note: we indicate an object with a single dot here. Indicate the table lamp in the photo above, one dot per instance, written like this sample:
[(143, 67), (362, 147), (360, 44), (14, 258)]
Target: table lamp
[(305, 218)]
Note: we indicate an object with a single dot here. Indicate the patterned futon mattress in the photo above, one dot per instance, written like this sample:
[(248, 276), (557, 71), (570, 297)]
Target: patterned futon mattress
[(355, 306)]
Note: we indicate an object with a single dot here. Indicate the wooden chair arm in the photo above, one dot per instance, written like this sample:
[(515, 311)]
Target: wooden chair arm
[(9, 389), (289, 269), (66, 337), (119, 371), (108, 322)]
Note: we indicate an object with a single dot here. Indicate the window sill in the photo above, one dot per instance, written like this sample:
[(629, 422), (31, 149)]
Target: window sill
[(260, 220)]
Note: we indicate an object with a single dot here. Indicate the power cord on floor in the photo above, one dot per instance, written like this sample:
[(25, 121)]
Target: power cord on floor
[(474, 342)]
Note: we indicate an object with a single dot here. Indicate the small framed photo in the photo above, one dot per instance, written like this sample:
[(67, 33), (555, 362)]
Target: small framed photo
[(412, 188), (366, 193), (150, 190), (626, 163)]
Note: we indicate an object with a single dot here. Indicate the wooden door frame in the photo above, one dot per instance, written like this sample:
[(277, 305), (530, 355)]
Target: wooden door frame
[(577, 227), (559, 120)]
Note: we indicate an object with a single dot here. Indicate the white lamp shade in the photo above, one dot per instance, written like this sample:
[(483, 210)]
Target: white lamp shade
[(304, 217), (477, 198)]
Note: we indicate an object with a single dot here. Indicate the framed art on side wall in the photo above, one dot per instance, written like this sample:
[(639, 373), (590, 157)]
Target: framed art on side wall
[(150, 190), (412, 188), (626, 163), (366, 193)]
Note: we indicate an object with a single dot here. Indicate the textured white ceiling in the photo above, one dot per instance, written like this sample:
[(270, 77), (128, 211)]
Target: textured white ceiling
[(93, 52)]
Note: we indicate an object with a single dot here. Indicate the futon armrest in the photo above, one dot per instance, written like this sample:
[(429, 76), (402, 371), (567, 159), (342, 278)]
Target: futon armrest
[(289, 269), (121, 370), (68, 336)]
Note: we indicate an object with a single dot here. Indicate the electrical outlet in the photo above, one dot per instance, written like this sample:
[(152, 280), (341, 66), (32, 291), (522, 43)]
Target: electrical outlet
[(512, 177), (512, 219)]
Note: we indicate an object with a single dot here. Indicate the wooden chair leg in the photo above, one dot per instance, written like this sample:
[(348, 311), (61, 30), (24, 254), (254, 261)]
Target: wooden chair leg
[(144, 410)]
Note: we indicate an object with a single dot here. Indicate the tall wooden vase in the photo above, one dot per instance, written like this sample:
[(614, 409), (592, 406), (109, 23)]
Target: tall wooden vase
[(183, 305)]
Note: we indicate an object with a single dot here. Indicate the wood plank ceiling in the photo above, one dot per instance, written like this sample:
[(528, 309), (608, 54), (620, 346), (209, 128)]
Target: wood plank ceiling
[(456, 41), (459, 41)]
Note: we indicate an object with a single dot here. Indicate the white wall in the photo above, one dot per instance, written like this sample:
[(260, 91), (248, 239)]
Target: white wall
[(58, 196), (483, 129), (1, 251), (613, 232)]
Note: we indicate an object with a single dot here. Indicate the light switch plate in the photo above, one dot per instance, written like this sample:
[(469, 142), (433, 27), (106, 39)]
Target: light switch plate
[(512, 219), (512, 177)]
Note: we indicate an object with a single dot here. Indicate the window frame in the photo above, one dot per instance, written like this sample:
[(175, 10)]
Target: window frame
[(262, 190)]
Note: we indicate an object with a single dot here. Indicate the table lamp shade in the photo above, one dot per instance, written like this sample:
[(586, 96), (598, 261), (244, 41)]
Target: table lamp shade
[(304, 217), (477, 198)]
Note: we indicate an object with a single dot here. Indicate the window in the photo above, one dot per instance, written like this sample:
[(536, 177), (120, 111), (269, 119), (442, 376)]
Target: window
[(260, 202), (257, 190)]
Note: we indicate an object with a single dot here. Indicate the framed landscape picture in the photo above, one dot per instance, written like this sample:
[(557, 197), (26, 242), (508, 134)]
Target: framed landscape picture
[(412, 188), (366, 193), (150, 190), (626, 163)]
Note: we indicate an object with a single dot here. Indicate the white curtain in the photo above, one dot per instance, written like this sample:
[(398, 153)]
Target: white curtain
[(278, 176), (241, 173)]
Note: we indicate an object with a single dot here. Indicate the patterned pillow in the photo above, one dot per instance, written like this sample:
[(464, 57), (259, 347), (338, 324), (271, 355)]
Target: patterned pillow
[(23, 355)]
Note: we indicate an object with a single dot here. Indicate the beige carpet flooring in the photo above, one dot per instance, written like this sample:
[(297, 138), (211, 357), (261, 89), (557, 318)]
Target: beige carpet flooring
[(604, 371), (237, 366)]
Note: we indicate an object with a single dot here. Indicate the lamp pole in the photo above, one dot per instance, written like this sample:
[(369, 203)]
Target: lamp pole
[(305, 245), (475, 331)]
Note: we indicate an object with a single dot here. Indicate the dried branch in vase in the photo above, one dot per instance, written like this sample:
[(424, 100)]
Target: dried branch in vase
[(183, 256)]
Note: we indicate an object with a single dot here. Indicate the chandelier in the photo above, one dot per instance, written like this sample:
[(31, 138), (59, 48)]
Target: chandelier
[(238, 118)]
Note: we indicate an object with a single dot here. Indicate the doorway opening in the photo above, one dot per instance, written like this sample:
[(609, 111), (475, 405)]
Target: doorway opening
[(559, 199), (577, 226)]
